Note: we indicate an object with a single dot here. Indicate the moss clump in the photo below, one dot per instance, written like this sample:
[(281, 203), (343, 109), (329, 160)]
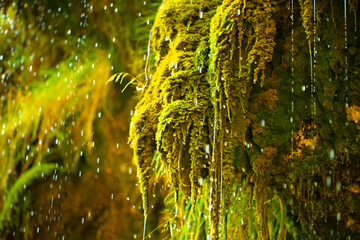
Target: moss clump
[(208, 115), (172, 116)]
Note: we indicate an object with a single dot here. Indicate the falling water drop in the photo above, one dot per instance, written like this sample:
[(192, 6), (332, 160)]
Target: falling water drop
[(176, 199), (338, 216), (207, 148), (332, 154), (328, 181)]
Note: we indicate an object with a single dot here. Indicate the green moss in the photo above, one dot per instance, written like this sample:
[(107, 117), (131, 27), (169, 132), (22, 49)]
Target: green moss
[(209, 117)]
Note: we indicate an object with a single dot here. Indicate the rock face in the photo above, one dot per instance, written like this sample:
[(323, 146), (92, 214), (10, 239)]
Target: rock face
[(262, 92)]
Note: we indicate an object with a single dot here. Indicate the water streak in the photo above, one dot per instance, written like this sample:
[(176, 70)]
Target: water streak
[(176, 200), (313, 61), (144, 232), (292, 79), (212, 162), (313, 53), (346, 73)]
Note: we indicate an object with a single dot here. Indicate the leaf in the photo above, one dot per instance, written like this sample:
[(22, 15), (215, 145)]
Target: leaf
[(120, 77), (25, 179)]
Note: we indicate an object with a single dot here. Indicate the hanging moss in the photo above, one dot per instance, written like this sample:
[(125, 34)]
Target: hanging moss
[(209, 117), (174, 106)]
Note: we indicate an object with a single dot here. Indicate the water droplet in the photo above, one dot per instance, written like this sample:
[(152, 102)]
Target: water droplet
[(332, 154), (328, 181), (207, 148)]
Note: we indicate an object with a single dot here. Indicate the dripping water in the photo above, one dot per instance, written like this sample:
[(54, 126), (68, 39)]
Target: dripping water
[(221, 182), (292, 79), (144, 231), (346, 74), (176, 200), (313, 53), (221, 175), (314, 61), (346, 97), (213, 162)]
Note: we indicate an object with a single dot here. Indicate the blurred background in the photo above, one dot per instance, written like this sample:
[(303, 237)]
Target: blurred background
[(66, 169)]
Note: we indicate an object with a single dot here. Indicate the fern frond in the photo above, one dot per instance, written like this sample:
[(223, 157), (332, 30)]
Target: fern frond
[(16, 189), (119, 77)]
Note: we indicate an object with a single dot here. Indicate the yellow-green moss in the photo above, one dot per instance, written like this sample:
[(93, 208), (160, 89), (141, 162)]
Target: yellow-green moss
[(307, 17), (197, 112), (189, 113)]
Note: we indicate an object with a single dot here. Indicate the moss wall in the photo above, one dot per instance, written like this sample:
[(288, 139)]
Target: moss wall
[(263, 91)]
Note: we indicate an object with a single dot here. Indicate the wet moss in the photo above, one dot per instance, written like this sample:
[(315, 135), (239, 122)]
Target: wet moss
[(209, 117)]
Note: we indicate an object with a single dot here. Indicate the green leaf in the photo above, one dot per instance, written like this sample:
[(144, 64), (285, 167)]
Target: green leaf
[(16, 189)]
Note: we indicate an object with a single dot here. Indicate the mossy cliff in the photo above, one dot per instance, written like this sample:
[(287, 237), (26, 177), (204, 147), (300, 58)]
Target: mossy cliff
[(262, 91)]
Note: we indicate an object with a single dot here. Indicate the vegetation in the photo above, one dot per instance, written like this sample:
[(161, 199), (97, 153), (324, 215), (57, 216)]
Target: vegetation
[(245, 123), (233, 98), (54, 64)]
